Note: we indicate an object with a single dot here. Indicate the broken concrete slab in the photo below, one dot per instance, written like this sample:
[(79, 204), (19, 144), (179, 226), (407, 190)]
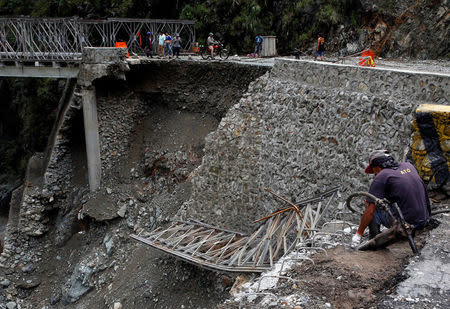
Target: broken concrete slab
[(428, 282), (101, 207), (102, 62)]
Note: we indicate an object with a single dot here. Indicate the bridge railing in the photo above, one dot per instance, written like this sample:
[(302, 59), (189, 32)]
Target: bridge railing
[(63, 39)]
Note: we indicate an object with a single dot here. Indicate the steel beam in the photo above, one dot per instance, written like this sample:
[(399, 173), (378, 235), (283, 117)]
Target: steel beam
[(42, 71)]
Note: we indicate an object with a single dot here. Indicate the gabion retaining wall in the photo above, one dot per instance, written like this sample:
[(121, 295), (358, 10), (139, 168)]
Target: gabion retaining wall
[(301, 129)]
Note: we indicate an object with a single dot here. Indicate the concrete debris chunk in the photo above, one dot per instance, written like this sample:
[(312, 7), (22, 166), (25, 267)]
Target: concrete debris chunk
[(122, 210), (109, 244), (11, 305), (5, 283), (29, 283)]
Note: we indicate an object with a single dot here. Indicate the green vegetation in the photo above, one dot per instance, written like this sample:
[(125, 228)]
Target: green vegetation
[(27, 115), (295, 23)]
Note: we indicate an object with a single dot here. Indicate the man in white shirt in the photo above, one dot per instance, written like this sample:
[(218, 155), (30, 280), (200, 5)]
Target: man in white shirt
[(161, 39)]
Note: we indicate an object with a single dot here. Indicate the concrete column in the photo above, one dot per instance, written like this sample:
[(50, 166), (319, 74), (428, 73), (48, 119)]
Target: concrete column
[(92, 136)]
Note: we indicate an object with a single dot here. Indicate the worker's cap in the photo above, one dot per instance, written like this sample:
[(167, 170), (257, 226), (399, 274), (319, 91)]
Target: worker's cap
[(211, 33), (177, 34), (149, 33), (376, 157)]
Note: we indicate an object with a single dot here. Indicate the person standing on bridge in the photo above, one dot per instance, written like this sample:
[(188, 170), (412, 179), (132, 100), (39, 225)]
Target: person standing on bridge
[(168, 45), (161, 39), (320, 48), (176, 45), (398, 183), (148, 45)]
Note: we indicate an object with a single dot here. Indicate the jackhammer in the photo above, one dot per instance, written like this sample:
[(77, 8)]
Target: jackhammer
[(387, 237)]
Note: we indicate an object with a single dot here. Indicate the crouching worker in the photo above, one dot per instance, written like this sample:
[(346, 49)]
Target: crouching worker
[(398, 183)]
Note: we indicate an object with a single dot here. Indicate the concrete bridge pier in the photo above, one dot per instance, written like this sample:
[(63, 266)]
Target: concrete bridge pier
[(97, 63), (92, 137)]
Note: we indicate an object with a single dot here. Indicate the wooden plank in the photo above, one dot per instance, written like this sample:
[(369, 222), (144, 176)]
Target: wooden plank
[(161, 233), (318, 215), (260, 245), (193, 245), (216, 245), (270, 255), (174, 230), (217, 252), (234, 257), (250, 254), (182, 237), (234, 246)]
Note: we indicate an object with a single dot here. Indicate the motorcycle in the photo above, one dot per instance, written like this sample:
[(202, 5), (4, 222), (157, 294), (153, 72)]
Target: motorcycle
[(219, 50)]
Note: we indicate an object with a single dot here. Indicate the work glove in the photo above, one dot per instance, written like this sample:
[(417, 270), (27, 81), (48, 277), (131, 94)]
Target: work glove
[(356, 240)]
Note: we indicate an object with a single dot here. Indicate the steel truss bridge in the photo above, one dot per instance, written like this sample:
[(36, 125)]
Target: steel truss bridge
[(219, 249), (60, 41)]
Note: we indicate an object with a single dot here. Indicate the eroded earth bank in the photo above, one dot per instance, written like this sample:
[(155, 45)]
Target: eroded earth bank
[(202, 140)]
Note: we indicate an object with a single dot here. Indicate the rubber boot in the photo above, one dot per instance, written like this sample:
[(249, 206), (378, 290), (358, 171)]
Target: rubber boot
[(374, 229)]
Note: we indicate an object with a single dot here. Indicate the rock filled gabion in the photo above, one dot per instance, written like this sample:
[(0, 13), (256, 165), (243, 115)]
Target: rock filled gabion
[(302, 129), (116, 122)]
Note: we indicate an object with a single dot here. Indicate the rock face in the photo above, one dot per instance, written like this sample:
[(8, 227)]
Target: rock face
[(407, 29), (417, 29), (424, 36), (66, 169), (304, 128), (205, 87)]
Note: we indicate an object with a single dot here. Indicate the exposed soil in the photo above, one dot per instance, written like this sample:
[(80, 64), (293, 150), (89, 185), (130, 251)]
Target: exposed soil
[(353, 279), (138, 277), (131, 273), (153, 280)]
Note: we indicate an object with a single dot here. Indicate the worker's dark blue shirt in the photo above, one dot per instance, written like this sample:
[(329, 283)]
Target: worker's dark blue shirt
[(404, 187)]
